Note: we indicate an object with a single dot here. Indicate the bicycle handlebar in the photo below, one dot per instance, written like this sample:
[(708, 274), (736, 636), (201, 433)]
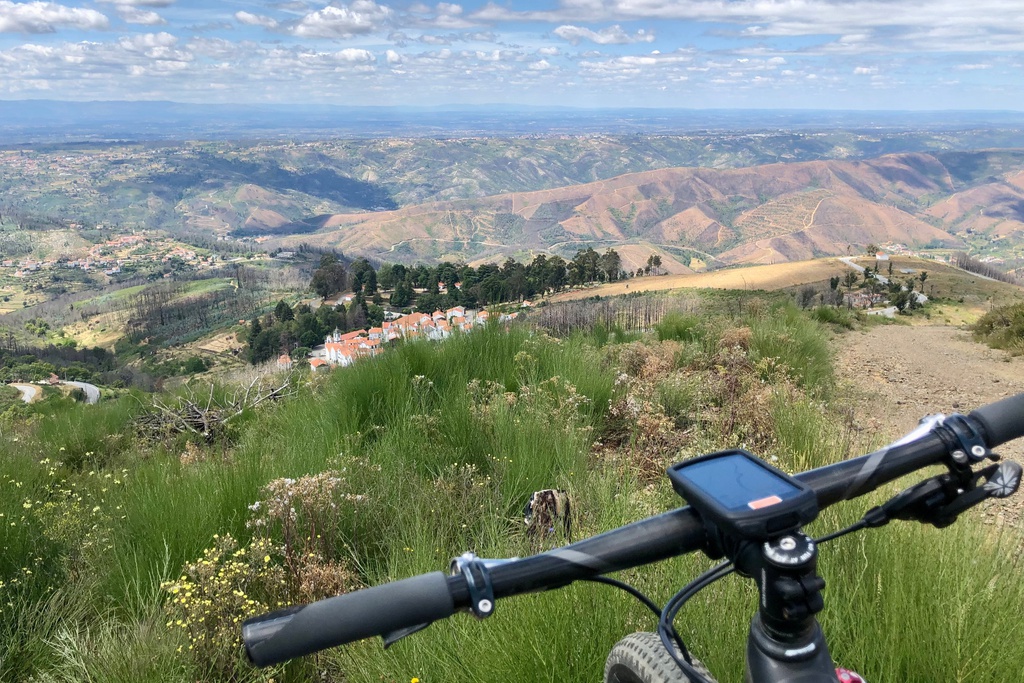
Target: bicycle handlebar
[(285, 634), (296, 631), (1001, 421)]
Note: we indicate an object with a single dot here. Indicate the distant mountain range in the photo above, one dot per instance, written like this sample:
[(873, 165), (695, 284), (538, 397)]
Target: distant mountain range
[(711, 198), (761, 214), (51, 121)]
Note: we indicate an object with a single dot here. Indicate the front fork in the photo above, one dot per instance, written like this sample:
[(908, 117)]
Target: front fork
[(785, 642)]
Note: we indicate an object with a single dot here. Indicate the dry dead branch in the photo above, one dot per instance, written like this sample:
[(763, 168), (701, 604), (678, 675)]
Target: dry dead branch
[(206, 413)]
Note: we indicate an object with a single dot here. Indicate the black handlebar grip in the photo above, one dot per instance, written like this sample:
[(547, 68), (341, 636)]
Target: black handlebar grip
[(1003, 420), (296, 631)]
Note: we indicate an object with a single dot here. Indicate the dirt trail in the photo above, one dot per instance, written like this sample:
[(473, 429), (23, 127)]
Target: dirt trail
[(900, 373)]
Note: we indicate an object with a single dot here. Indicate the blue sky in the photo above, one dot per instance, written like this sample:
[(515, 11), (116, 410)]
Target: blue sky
[(826, 54)]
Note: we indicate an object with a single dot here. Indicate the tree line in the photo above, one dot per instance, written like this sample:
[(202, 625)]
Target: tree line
[(973, 265), (449, 284)]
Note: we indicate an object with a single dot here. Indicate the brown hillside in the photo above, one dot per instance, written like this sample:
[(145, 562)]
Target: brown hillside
[(265, 218), (762, 214), (995, 208)]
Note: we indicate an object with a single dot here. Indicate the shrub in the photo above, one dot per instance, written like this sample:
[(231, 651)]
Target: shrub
[(1002, 328), (680, 327), (794, 342), (216, 593), (307, 518), (833, 315), (195, 365)]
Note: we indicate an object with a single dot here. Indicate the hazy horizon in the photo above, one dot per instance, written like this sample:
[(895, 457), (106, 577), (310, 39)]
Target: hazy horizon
[(55, 121), (512, 106)]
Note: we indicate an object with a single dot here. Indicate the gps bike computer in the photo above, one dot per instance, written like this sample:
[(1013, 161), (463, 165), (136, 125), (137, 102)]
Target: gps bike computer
[(743, 496)]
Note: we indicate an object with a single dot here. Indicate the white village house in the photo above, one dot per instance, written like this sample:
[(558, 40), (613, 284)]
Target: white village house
[(344, 349)]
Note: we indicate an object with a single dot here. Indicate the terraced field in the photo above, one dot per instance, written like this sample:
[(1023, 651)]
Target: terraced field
[(783, 215)]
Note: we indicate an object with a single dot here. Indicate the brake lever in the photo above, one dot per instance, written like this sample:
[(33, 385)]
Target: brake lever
[(1001, 481), (395, 636), (940, 500)]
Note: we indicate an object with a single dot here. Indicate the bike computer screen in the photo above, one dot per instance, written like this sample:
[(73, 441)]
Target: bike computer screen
[(744, 496)]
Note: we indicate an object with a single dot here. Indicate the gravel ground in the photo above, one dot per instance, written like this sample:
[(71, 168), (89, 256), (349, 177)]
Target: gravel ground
[(899, 373)]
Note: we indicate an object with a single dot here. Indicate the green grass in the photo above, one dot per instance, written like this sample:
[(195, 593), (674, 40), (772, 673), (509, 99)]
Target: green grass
[(445, 443), (789, 340), (208, 285), (835, 315), (121, 295), (9, 396), (1002, 328)]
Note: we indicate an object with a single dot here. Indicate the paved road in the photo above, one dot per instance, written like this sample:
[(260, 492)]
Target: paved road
[(92, 392), (28, 392)]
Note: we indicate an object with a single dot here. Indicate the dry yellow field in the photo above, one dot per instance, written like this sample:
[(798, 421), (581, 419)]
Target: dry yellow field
[(775, 276), (101, 330), (219, 343)]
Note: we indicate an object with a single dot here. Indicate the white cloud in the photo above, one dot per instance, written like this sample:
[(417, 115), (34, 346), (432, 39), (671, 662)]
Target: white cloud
[(549, 51), (47, 17), (250, 19), (865, 70), (972, 67), (355, 55), (393, 57), (148, 41), (866, 25), (140, 3), (449, 15), (358, 18), (218, 48), (636, 63), (435, 40), (444, 15), (613, 35), (492, 56), (134, 15), (542, 65)]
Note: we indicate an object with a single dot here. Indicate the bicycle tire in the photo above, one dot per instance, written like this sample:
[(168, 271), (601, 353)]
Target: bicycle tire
[(641, 658)]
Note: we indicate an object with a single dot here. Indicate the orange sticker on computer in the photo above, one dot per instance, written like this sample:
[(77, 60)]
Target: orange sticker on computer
[(763, 502)]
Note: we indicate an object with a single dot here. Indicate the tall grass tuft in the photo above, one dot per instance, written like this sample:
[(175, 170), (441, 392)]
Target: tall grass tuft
[(87, 436), (1002, 328), (834, 315), (788, 338), (680, 327)]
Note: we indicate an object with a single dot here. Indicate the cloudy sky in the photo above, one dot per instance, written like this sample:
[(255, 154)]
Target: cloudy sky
[(846, 54)]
